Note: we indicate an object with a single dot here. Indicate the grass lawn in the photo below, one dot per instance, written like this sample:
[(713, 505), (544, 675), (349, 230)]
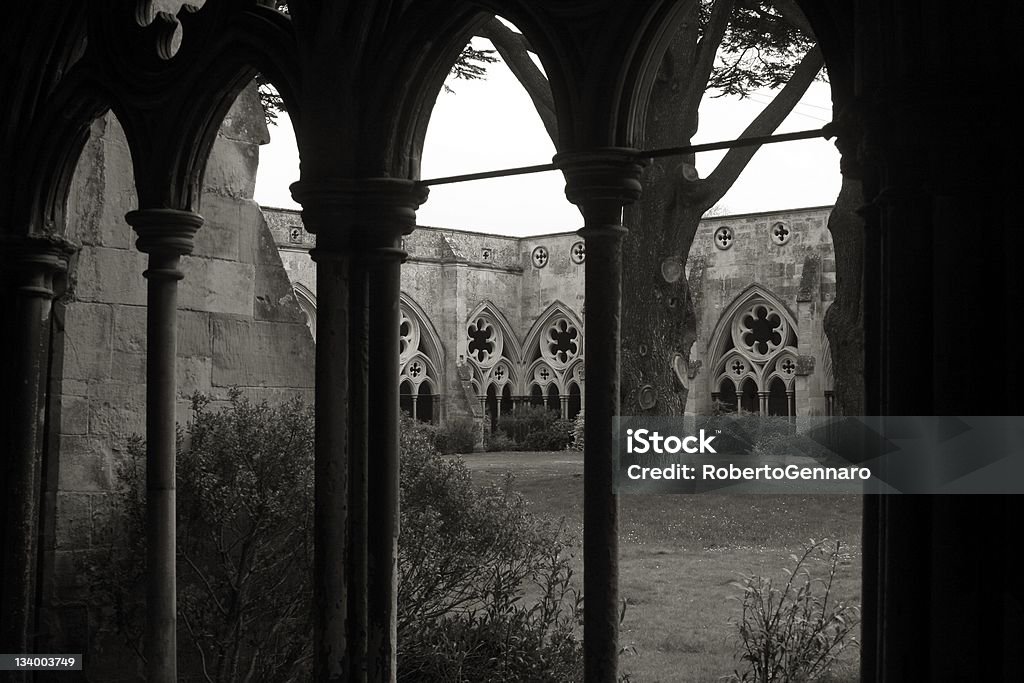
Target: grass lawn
[(678, 555)]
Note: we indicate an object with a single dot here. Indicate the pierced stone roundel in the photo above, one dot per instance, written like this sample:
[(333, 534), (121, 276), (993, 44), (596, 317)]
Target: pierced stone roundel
[(578, 253), (408, 337), (561, 342), (543, 375), (760, 330), (540, 257), (781, 233), (724, 237), (484, 342), (500, 374)]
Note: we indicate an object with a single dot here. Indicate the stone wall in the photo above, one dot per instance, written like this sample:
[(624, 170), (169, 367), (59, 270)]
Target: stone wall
[(799, 273), (238, 325), (450, 273)]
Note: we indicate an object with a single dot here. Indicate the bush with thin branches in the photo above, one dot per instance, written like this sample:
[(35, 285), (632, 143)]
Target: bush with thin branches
[(794, 630)]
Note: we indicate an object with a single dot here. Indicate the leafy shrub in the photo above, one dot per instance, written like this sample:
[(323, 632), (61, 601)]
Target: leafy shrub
[(524, 421), (458, 435), (535, 428), (245, 556), (468, 558), (555, 437), (577, 432), (796, 632), (500, 441)]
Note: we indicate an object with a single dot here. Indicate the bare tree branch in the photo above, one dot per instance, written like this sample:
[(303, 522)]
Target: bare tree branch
[(707, 48), (737, 158), (515, 51)]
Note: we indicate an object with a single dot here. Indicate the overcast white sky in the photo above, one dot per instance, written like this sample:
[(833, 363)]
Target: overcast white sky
[(491, 123)]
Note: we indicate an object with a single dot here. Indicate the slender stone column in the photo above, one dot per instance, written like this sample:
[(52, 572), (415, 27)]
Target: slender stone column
[(166, 235), (601, 182), (763, 402), (28, 266), (359, 225), (565, 406)]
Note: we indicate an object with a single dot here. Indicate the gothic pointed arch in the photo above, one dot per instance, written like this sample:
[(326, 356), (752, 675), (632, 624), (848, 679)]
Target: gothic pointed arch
[(307, 304), (754, 344), (556, 335), (421, 353), (491, 337)]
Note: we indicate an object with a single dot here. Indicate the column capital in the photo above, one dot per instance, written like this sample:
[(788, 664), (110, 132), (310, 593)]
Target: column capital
[(35, 259), (358, 212), (164, 232), (606, 174)]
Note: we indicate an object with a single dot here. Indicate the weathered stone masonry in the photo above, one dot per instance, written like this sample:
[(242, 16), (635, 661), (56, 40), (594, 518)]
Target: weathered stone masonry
[(463, 290), (238, 325)]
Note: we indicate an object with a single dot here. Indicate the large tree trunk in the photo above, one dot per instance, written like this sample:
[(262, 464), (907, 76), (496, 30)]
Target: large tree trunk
[(658, 318), (659, 312), (844, 322), (658, 324)]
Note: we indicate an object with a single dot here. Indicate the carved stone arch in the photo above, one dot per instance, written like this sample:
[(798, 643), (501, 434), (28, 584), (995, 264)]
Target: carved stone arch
[(537, 337), (787, 381), (172, 109), (418, 368), (548, 39), (640, 67), (601, 52), (426, 74), (828, 373), (510, 347), (429, 340), (504, 374), (784, 364), (307, 304), (46, 115), (720, 338), (541, 373), (55, 145)]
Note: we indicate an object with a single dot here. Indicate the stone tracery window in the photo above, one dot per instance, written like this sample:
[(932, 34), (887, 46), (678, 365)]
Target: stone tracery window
[(756, 358), (421, 363), (561, 343), (408, 336), (484, 341)]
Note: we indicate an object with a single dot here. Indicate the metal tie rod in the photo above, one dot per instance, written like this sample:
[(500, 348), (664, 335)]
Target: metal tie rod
[(824, 132)]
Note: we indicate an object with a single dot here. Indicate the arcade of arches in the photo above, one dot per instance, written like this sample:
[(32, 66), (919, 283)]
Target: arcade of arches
[(108, 320), (490, 322)]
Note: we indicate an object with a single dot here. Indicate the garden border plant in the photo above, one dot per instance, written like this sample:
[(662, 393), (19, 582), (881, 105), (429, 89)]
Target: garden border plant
[(795, 633), (486, 590)]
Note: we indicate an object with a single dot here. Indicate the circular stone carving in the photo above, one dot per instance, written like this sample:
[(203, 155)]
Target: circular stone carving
[(724, 237), (543, 375), (561, 343), (540, 257), (781, 233), (484, 342), (760, 330), (578, 253), (408, 337)]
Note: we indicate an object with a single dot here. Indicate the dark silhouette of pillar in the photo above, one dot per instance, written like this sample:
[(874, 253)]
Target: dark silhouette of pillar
[(601, 182), (29, 265), (166, 235), (359, 226)]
